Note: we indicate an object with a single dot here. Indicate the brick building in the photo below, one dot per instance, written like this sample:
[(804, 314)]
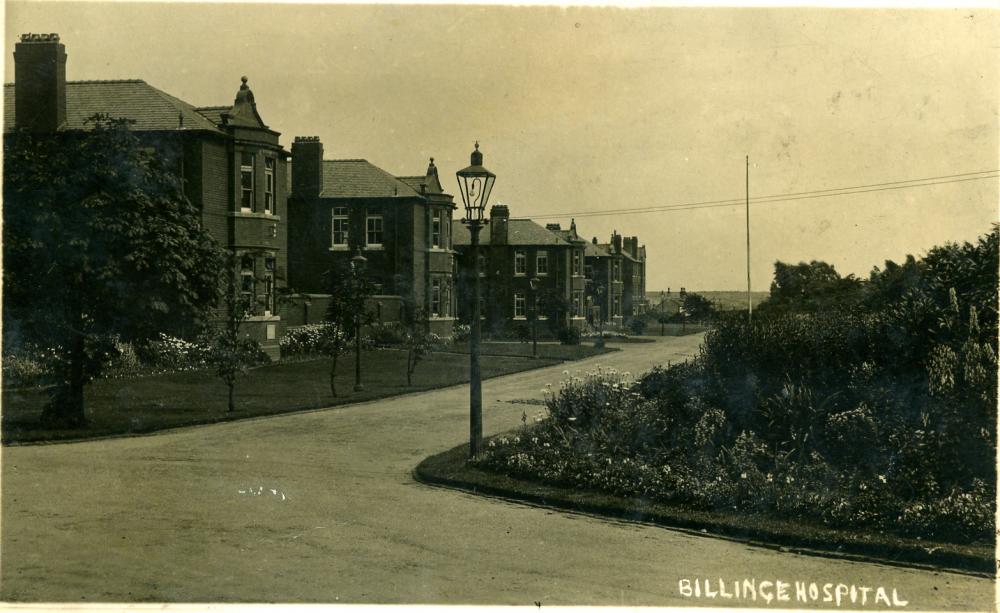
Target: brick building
[(402, 226), (512, 252), (604, 284), (232, 165), (619, 267)]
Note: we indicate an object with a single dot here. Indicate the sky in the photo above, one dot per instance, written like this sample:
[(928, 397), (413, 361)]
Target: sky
[(583, 111)]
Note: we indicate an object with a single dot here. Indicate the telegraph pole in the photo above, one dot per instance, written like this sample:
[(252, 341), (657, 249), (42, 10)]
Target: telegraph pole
[(749, 300)]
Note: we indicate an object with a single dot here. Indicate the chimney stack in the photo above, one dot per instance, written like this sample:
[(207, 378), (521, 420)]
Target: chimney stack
[(499, 216), (616, 242), (39, 83), (307, 166)]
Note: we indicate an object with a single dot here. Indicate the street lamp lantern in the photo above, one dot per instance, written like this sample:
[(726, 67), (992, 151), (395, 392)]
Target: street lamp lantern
[(600, 317), (533, 284), (358, 263), (475, 184)]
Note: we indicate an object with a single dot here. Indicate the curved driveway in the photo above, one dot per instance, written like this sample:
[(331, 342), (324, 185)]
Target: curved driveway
[(321, 507)]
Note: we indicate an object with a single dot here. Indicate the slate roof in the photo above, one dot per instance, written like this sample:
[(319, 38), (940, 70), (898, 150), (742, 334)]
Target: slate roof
[(149, 107), (362, 179), (590, 250), (568, 235), (520, 232)]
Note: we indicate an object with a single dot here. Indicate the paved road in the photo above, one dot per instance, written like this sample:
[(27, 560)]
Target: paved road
[(178, 517)]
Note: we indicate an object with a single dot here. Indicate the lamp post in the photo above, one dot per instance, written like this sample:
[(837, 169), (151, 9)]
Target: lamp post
[(663, 311), (475, 184), (600, 317), (357, 268), (533, 284)]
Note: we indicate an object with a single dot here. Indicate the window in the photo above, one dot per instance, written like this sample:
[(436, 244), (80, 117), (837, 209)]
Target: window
[(446, 226), (542, 263), (269, 186), (340, 226), (616, 267), (436, 230), (616, 305), (374, 231), (577, 304), (576, 263), (435, 297), (246, 182), (519, 305), (268, 298), (520, 263), (247, 283)]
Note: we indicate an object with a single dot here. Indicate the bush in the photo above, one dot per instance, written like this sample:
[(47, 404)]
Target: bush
[(169, 353), (303, 340), (461, 333), (568, 335), (635, 326), (392, 334)]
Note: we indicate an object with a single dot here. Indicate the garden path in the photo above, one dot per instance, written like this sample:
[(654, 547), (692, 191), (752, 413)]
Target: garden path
[(321, 507)]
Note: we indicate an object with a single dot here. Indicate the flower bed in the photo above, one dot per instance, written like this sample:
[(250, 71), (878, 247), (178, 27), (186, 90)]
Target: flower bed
[(606, 432)]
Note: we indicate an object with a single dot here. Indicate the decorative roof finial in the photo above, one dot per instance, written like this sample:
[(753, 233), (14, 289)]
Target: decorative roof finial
[(432, 169), (244, 80)]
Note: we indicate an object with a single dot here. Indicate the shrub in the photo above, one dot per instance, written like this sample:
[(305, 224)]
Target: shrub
[(390, 334), (461, 333), (635, 326), (569, 335), (305, 340), (174, 354)]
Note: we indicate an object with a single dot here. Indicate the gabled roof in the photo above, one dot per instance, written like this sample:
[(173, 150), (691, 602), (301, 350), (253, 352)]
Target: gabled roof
[(592, 250), (520, 232), (148, 107), (362, 179), (429, 181)]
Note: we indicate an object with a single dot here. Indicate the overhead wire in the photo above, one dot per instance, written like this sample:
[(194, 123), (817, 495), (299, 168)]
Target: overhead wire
[(791, 196)]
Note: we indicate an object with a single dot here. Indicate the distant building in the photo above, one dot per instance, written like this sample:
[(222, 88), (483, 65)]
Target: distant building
[(512, 252), (232, 165), (616, 275), (402, 226)]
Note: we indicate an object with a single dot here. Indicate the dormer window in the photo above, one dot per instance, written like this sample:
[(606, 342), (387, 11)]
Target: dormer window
[(269, 185), (247, 203)]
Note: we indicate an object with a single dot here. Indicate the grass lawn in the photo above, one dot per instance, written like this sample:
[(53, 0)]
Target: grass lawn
[(450, 469), (147, 404), (653, 329), (548, 351)]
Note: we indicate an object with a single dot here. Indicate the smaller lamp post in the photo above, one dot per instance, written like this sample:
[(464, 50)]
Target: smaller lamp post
[(533, 284), (663, 312), (358, 268), (600, 317)]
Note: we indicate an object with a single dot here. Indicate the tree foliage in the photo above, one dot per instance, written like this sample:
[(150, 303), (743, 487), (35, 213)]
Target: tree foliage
[(345, 313), (230, 352), (811, 287), (99, 240), (418, 341)]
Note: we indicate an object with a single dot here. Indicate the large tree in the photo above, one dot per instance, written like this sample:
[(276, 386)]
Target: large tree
[(99, 241)]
